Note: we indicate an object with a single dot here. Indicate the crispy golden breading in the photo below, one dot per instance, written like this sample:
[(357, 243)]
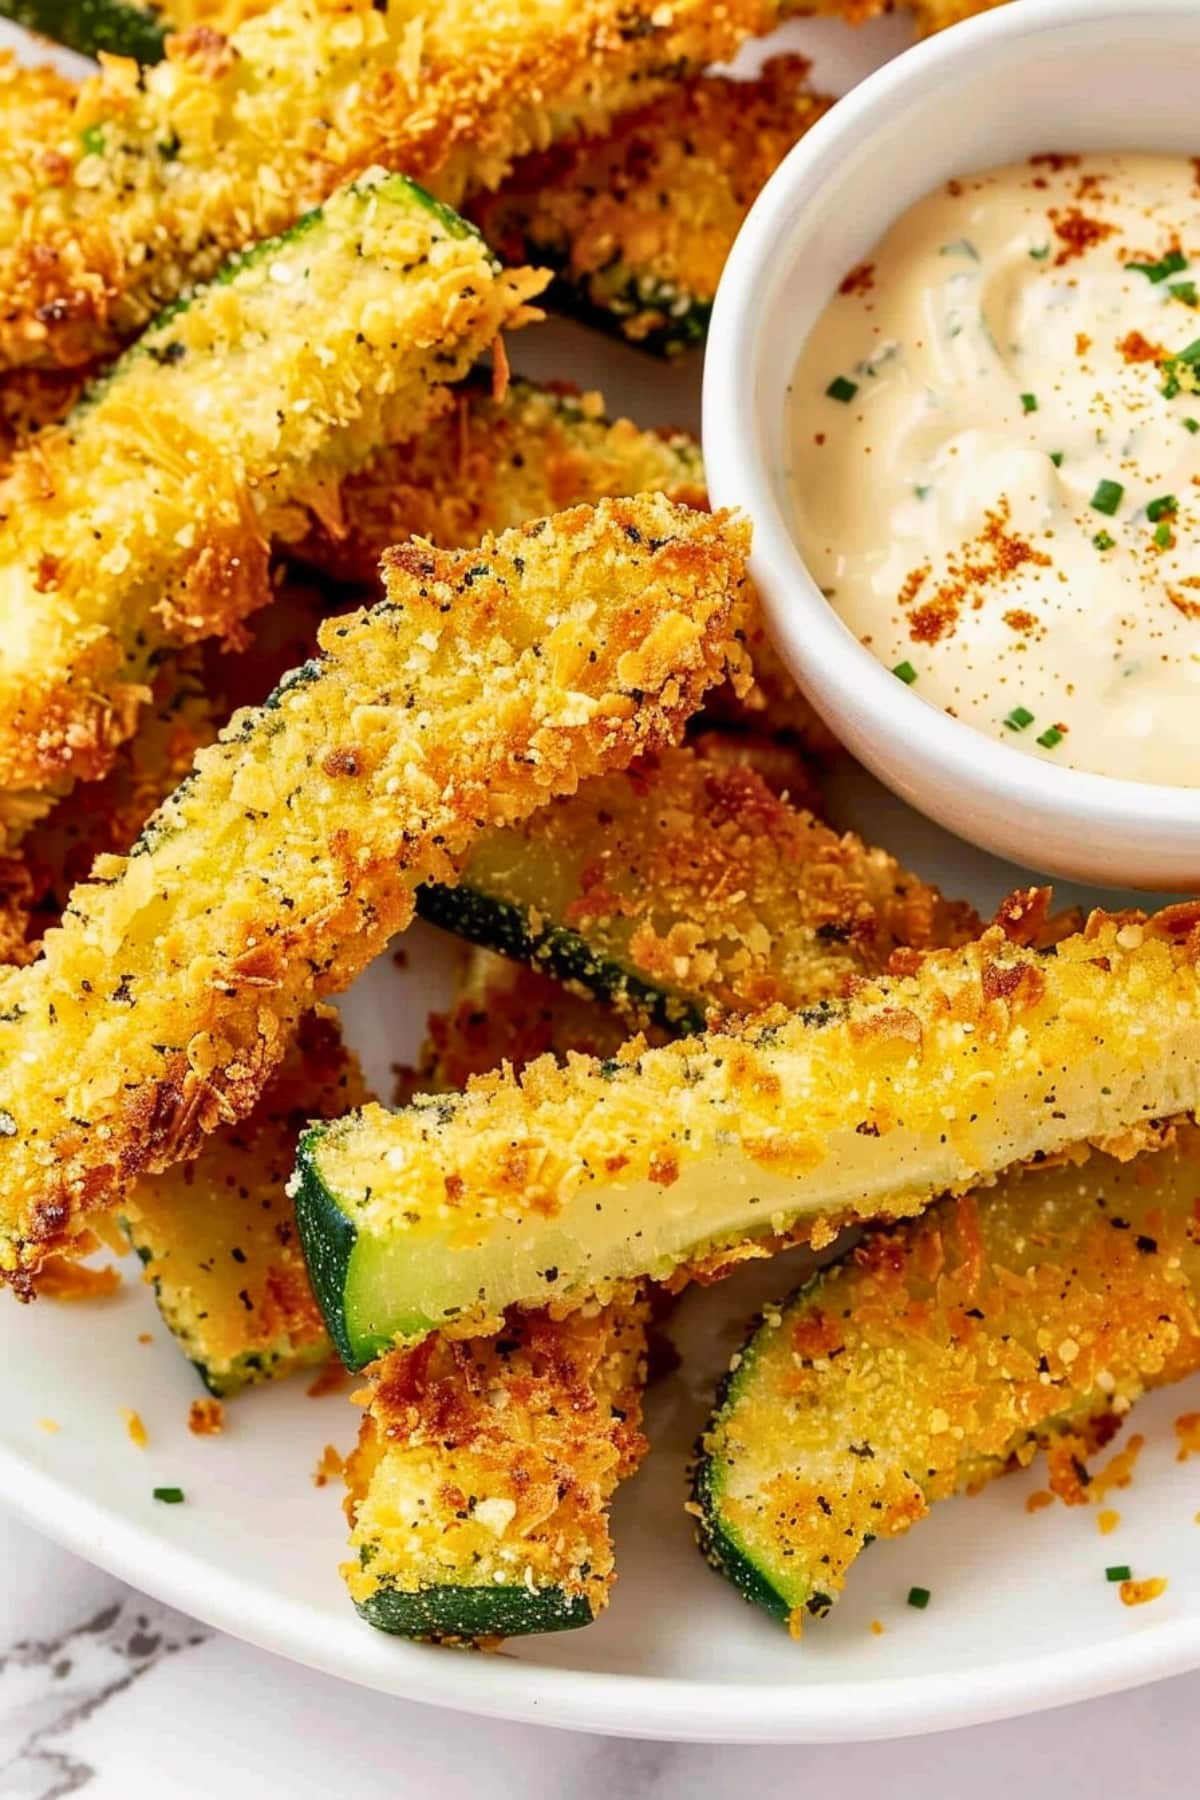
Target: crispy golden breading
[(492, 463), (942, 1353), (31, 398), (594, 209), (145, 520), (489, 464), (519, 1442), (781, 1131), (228, 141), (684, 884), (194, 695), (488, 682), (506, 1012), (218, 1236)]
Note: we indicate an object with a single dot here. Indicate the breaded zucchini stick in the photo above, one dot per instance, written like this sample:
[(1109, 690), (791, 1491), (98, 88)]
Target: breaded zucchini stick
[(490, 463), (943, 1352), (479, 1491), (593, 209), (217, 1235), (230, 141), (684, 885), (145, 520), (573, 1182), (487, 683)]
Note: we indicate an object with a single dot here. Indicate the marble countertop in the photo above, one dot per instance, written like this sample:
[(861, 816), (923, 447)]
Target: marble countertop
[(105, 1693)]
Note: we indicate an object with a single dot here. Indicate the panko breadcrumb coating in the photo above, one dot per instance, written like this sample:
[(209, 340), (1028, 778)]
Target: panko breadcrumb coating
[(684, 885), (489, 463), (637, 224), (142, 183), (218, 1237), (943, 1352), (488, 682), (145, 520)]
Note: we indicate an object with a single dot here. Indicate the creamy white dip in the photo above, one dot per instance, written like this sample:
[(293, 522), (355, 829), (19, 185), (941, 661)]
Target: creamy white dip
[(994, 455)]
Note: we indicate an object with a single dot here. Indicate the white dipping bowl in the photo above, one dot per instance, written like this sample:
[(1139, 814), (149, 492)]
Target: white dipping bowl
[(1070, 75)]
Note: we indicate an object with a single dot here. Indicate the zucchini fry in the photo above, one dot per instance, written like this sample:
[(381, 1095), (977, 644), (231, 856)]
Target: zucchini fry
[(489, 464), (479, 1491), (229, 141), (782, 1130), (592, 209), (943, 1352), (218, 1237), (145, 520), (684, 885), (488, 682)]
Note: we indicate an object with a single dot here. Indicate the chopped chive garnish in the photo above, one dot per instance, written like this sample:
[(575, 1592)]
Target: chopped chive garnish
[(170, 1496), (1056, 458), (905, 672), (1184, 291), (1050, 737), (959, 247), (1118, 1572), (1192, 425), (841, 389), (1040, 254), (1019, 718), (1102, 541), (1170, 264), (92, 140), (1158, 509), (922, 490), (919, 1597), (1107, 497), (1180, 370), (1162, 536), (1028, 403)]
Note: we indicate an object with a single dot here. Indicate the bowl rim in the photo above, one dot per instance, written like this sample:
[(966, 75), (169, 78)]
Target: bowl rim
[(819, 648)]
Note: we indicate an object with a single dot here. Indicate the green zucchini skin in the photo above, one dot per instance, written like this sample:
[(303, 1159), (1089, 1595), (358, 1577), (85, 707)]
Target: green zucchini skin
[(329, 1237), (462, 1614), (556, 950), (720, 1543), (89, 26)]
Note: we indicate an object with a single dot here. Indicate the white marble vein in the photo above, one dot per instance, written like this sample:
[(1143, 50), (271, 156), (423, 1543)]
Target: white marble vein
[(106, 1694)]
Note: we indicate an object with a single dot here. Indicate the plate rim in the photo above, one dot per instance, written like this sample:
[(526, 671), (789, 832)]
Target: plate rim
[(606, 1702)]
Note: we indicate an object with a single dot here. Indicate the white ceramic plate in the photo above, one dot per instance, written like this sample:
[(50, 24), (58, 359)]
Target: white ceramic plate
[(1021, 1615)]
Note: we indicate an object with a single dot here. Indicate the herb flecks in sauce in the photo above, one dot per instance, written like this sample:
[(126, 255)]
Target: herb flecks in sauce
[(1019, 332)]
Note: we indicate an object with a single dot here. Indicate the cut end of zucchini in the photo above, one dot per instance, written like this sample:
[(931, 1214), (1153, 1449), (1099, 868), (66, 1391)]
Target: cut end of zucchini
[(469, 1615), (480, 1486)]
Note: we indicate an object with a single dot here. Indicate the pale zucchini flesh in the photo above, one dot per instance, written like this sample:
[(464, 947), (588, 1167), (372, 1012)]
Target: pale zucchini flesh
[(144, 521), (940, 1354), (578, 1181), (489, 680)]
